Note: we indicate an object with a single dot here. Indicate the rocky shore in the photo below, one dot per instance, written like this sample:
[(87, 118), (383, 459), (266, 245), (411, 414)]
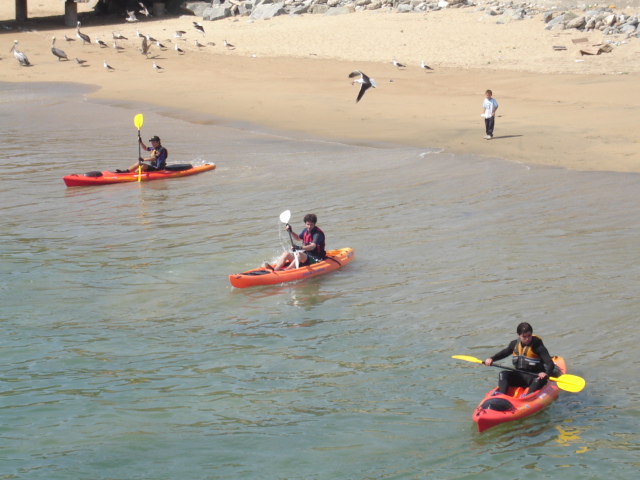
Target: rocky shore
[(588, 18)]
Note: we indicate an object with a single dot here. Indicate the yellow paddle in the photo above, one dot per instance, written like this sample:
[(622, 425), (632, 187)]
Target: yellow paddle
[(569, 383), (138, 120)]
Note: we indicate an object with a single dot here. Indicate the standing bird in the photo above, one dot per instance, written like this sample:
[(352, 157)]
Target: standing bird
[(101, 43), (117, 36), (150, 39), (157, 67), (117, 47), (398, 64), (56, 51), (364, 81), (69, 39), (144, 10), (197, 43), (21, 57), (228, 45), (82, 36), (144, 48), (138, 34), (108, 67), (178, 49), (81, 62), (160, 45), (425, 66), (199, 27)]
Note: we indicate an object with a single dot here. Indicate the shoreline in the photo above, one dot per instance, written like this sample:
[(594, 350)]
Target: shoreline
[(283, 81)]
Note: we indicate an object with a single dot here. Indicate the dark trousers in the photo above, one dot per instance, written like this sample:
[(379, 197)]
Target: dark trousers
[(489, 124), (517, 379)]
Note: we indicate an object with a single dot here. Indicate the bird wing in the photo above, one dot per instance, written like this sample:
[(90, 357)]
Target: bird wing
[(364, 88)]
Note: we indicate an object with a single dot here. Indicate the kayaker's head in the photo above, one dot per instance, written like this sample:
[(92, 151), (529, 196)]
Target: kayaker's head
[(525, 333), (155, 139), (310, 221)]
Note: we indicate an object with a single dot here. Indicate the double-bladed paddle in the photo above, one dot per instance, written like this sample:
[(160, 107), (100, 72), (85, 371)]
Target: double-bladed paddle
[(138, 120), (569, 383), (284, 218)]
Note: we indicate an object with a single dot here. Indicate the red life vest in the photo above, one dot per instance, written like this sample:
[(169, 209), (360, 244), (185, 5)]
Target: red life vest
[(307, 238)]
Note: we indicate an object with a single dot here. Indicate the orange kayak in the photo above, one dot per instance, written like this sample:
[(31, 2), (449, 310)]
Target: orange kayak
[(496, 409), (262, 276), (107, 178)]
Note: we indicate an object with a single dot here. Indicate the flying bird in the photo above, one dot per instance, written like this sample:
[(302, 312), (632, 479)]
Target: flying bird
[(364, 81), (144, 48), (132, 17), (108, 67), (179, 33), (398, 64), (157, 67), (199, 27), (425, 66), (101, 43), (178, 49), (228, 45), (144, 10), (56, 51), (82, 36), (20, 57)]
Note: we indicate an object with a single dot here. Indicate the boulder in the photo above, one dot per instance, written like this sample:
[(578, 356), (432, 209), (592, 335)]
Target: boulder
[(578, 23), (266, 11), (216, 12)]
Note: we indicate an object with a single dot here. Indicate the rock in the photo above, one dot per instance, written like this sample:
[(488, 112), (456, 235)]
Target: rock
[(267, 11), (217, 12), (578, 23)]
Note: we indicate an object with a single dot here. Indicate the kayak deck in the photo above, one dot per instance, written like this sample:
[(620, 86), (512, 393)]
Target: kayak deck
[(262, 276), (496, 409), (108, 178)]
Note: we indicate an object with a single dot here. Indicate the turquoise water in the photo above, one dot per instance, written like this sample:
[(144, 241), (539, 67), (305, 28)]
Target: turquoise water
[(127, 354)]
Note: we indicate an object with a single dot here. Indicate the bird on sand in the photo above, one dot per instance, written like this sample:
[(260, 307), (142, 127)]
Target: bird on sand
[(101, 43), (398, 64), (117, 36), (56, 51), (197, 43), (117, 47), (144, 48), (228, 45), (68, 39), (425, 66), (20, 57), (81, 62), (108, 67), (364, 81), (82, 36), (160, 45), (157, 67), (178, 49), (199, 27), (150, 39)]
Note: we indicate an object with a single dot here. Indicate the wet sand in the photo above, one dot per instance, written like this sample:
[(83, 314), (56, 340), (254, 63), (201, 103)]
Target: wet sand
[(291, 73)]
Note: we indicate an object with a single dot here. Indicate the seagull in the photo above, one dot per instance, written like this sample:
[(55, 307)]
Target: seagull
[(159, 45), (108, 67), (157, 67), (144, 50), (138, 34), (197, 43), (132, 16), (117, 36), (179, 33), (21, 57), (199, 27), (144, 10), (397, 64), (150, 39), (425, 66), (228, 45), (69, 39), (81, 62), (178, 49), (82, 36), (365, 81), (117, 47), (56, 51), (101, 43)]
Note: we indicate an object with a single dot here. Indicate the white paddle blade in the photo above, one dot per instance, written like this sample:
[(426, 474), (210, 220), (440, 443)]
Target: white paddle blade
[(285, 216)]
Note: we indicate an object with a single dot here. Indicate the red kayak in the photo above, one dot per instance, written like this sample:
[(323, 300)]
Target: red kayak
[(495, 409), (107, 178)]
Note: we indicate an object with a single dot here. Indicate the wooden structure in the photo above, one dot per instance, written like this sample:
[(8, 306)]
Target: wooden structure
[(70, 11)]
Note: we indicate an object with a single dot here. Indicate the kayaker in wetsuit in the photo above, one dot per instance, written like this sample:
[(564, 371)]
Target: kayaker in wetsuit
[(312, 250), (528, 354), (157, 160)]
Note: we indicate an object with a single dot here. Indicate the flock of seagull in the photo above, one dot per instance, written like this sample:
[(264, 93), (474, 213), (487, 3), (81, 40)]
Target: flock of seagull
[(147, 42)]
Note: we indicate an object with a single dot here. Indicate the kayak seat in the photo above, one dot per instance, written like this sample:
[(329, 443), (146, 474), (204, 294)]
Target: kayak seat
[(497, 404), (93, 174), (256, 272), (178, 167)]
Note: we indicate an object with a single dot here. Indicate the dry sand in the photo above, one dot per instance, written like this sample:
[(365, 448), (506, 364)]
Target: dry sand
[(556, 107)]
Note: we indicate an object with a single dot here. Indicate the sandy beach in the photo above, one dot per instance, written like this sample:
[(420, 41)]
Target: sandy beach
[(291, 73)]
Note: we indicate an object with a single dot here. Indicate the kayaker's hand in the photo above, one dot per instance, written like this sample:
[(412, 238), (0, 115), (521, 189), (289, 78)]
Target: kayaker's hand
[(140, 159), (488, 362), (542, 375), (296, 248), (287, 227)]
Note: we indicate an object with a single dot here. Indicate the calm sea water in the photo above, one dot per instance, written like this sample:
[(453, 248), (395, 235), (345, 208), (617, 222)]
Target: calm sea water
[(126, 354)]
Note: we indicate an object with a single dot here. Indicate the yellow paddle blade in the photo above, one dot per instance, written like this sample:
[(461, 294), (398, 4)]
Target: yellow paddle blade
[(466, 358), (138, 120), (570, 383)]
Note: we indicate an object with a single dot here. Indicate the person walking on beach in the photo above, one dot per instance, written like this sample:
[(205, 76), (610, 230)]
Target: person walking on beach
[(528, 354), (312, 250), (157, 160), (489, 106)]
